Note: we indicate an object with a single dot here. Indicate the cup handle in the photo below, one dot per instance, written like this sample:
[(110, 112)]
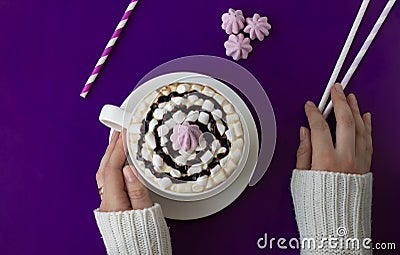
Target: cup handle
[(114, 117)]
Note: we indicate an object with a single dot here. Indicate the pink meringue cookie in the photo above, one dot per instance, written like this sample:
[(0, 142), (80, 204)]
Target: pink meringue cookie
[(232, 21), (257, 27), (186, 136), (238, 47)]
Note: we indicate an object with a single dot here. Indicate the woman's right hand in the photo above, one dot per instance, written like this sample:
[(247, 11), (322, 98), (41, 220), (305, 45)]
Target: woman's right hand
[(352, 152)]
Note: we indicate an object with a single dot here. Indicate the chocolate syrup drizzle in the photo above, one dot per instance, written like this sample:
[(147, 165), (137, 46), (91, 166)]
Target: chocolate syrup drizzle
[(167, 158)]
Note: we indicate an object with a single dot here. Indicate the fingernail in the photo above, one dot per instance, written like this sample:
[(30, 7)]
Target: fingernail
[(303, 134), (128, 174), (310, 104), (369, 116), (339, 88), (353, 99)]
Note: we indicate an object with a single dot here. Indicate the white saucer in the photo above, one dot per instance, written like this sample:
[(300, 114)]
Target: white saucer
[(187, 210)]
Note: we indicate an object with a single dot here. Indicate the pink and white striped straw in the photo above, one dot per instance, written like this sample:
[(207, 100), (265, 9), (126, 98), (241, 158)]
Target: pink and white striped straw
[(108, 48), (362, 51), (343, 54)]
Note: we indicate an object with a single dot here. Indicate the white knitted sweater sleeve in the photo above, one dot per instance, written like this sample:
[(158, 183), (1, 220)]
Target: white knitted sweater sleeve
[(134, 231), (330, 205)]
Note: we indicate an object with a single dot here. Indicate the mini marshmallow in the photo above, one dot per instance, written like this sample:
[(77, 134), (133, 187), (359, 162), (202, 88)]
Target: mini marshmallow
[(229, 167), (164, 92), (199, 102), (215, 145), (169, 107), (209, 184), (202, 180), (146, 154), (194, 169), (232, 118), (196, 87), (192, 116), (162, 105), (158, 113), (228, 108), (220, 127), (219, 177), (197, 188), (236, 155), (192, 98), (184, 188), (220, 99), (224, 160), (175, 173), (148, 172), (207, 105), (237, 128), (238, 144), (217, 114), (207, 156), (162, 130), (165, 182), (215, 169), (180, 160), (221, 150), (152, 124), (172, 88), (179, 117), (192, 156), (174, 187), (151, 140), (170, 123), (157, 160), (203, 118), (228, 134), (177, 100), (208, 92), (135, 128), (182, 88), (163, 141), (165, 150)]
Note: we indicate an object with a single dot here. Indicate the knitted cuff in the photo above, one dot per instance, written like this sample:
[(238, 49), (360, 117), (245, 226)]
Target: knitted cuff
[(134, 231), (332, 205)]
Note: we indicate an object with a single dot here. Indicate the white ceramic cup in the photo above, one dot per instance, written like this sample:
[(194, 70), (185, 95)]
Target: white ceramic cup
[(118, 118)]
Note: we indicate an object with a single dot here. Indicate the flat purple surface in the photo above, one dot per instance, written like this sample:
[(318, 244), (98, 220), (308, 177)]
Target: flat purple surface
[(52, 142)]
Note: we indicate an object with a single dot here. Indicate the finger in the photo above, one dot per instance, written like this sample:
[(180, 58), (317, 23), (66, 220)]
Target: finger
[(345, 123), (118, 157), (114, 197), (304, 151), (137, 192), (361, 140), (105, 158), (368, 129), (321, 139)]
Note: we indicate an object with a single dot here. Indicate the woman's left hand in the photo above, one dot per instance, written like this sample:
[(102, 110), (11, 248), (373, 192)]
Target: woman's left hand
[(120, 189)]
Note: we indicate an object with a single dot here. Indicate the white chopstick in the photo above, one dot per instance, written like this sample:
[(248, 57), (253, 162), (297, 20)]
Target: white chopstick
[(357, 59)]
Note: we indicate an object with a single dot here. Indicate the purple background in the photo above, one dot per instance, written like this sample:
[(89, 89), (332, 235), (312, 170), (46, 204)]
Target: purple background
[(52, 142)]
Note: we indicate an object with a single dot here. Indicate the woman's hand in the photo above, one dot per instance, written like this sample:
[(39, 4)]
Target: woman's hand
[(352, 152), (120, 192)]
